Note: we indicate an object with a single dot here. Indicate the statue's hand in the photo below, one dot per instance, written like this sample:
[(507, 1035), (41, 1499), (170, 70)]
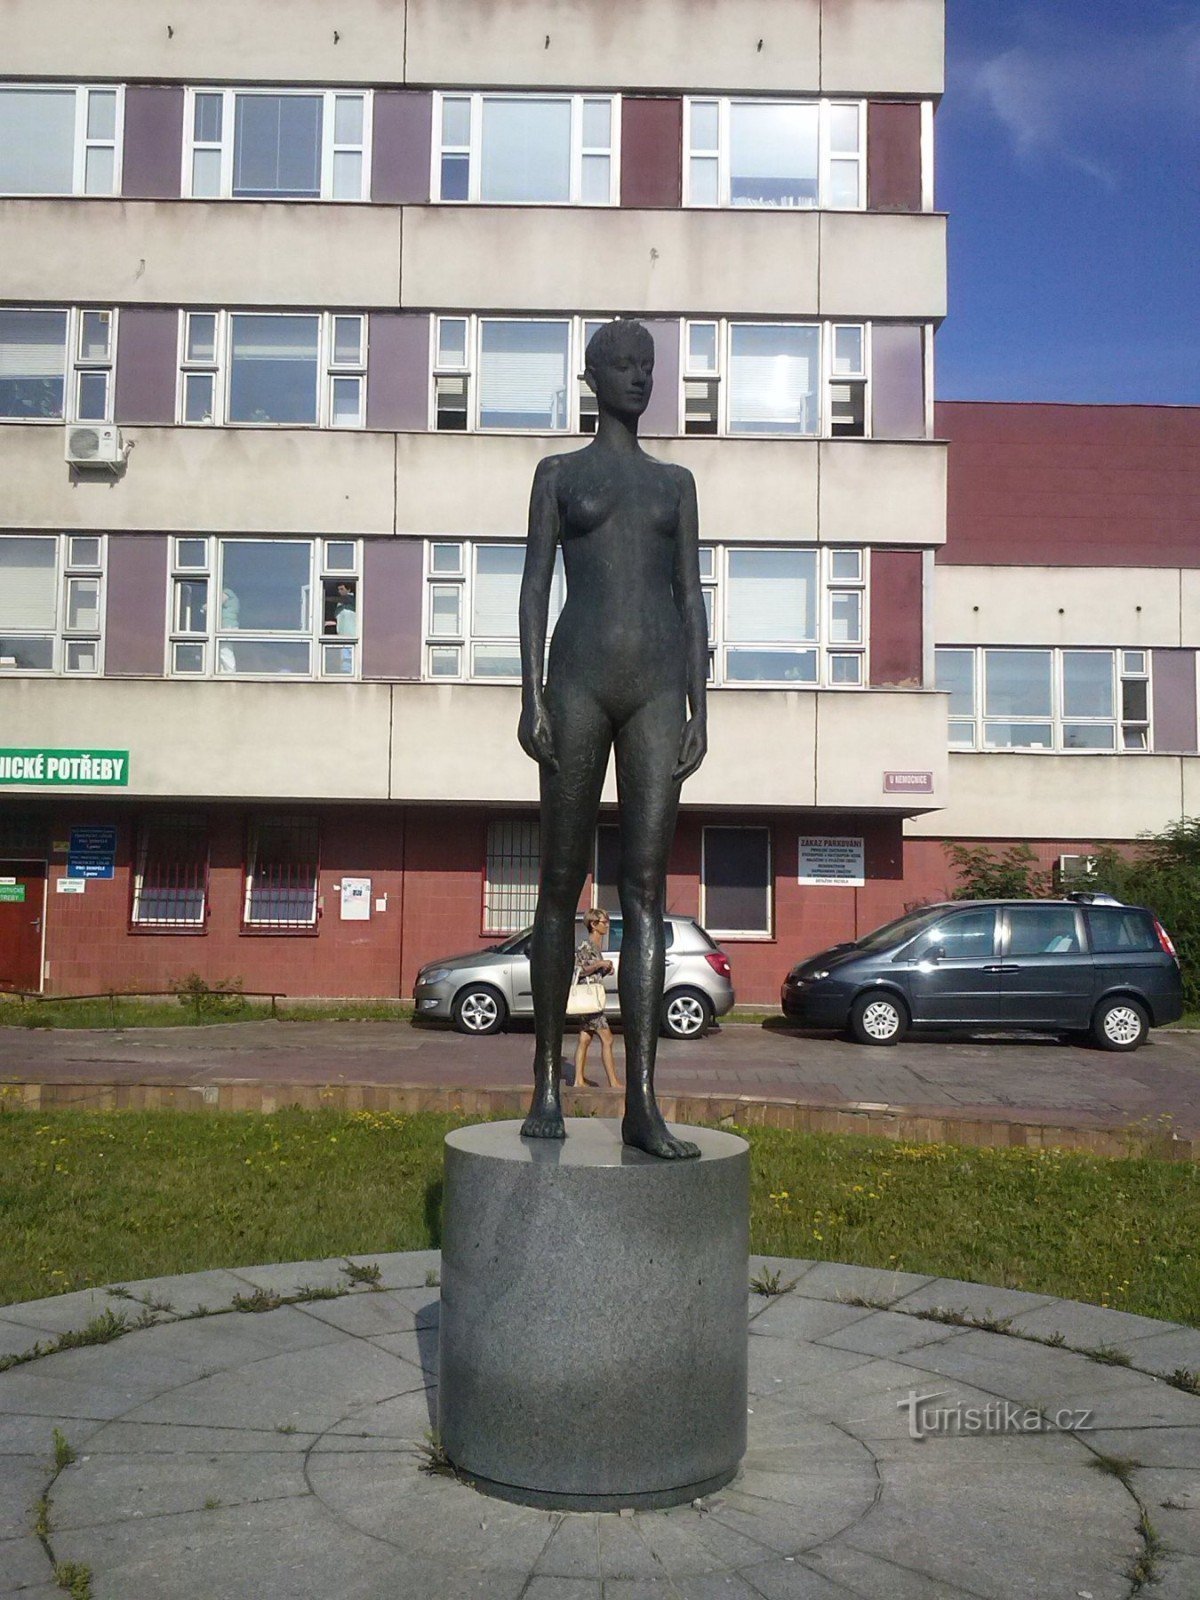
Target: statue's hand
[(534, 735), (693, 747)]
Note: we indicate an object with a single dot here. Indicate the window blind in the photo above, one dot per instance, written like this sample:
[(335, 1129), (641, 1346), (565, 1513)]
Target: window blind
[(28, 591), (33, 344), (497, 591), (772, 378), (523, 372), (37, 141), (772, 596)]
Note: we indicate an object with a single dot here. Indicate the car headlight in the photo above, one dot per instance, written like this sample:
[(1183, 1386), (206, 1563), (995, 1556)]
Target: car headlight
[(815, 977), (434, 975)]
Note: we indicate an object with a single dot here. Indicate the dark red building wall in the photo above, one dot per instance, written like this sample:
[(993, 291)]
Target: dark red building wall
[(1053, 485)]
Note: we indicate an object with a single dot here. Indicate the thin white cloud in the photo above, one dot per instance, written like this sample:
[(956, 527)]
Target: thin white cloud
[(1065, 94)]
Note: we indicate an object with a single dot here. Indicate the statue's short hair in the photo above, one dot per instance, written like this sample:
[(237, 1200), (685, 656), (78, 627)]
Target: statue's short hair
[(610, 337)]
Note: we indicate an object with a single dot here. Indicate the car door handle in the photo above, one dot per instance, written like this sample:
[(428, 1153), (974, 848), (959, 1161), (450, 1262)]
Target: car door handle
[(1001, 968)]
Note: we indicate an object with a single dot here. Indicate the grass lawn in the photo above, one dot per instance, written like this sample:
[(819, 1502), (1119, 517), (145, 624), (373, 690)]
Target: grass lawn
[(118, 1011), (91, 1198)]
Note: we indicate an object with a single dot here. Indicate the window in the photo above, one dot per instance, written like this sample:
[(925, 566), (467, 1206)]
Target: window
[(1115, 930), (512, 374), (51, 603), (510, 149), (606, 867), (60, 139), (246, 608), (273, 368), (963, 936), (798, 154), (282, 873), (1043, 699), (170, 885), (510, 889), (56, 365), (269, 144), (735, 882), (790, 616), (791, 378), (1042, 931), (471, 624)]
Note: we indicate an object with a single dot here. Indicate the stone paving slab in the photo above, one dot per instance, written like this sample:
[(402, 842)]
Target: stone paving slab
[(242, 1455)]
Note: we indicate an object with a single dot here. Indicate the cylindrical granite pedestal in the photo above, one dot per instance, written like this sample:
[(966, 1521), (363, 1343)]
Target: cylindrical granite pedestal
[(593, 1321)]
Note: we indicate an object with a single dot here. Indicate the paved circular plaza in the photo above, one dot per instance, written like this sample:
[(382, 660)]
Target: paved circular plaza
[(910, 1438)]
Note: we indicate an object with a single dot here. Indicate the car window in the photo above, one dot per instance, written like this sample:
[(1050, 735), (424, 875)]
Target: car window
[(1112, 931), (616, 931), (1042, 931), (960, 935), (893, 934)]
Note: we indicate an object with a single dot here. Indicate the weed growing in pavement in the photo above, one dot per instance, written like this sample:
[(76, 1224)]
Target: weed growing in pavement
[(64, 1454), (370, 1273), (1109, 1356), (74, 1579), (1185, 1378), (767, 1282)]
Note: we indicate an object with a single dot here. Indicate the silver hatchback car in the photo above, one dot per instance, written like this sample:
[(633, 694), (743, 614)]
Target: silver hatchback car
[(480, 990)]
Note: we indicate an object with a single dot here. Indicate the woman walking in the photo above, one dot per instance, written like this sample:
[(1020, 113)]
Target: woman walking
[(591, 962)]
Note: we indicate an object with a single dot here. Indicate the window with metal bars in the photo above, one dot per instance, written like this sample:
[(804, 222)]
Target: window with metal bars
[(170, 885), (282, 865), (510, 890)]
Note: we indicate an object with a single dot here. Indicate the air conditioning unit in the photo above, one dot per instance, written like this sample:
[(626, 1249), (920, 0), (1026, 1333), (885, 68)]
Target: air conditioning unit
[(94, 445), (1074, 869)]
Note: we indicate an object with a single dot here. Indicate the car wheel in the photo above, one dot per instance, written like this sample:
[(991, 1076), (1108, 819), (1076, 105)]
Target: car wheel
[(687, 1014), (878, 1019), (1120, 1024), (479, 1009)]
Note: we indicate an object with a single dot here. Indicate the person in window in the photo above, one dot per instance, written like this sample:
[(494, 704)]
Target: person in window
[(345, 612), (628, 660), (230, 609), (591, 962)]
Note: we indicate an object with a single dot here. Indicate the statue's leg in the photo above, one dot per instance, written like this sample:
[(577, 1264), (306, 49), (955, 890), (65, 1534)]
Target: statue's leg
[(647, 750), (570, 803)]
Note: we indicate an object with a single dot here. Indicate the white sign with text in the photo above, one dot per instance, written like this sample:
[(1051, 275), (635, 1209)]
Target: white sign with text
[(837, 861)]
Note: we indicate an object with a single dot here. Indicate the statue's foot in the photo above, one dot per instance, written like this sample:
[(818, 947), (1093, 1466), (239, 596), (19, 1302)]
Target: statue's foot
[(545, 1119), (644, 1129)]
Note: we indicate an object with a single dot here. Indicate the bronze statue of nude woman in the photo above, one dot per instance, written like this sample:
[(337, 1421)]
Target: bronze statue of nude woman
[(628, 663)]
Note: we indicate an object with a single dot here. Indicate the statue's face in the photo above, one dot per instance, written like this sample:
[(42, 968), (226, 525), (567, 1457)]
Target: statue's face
[(623, 382)]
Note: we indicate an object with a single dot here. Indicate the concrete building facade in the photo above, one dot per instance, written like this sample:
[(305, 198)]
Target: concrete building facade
[(287, 318)]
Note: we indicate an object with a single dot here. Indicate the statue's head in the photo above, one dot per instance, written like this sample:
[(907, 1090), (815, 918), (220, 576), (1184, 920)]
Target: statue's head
[(619, 366)]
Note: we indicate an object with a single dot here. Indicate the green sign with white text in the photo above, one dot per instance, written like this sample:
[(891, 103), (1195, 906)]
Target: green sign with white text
[(13, 892), (106, 769)]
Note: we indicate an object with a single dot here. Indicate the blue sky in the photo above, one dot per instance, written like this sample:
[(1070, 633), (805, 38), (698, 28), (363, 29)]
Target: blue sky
[(1069, 161)]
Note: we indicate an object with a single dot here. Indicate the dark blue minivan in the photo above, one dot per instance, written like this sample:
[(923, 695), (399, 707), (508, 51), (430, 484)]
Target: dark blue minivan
[(1057, 966)]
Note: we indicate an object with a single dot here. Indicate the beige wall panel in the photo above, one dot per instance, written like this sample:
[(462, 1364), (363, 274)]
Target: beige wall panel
[(881, 493), (1012, 796), (883, 46), (753, 489), (1189, 606), (312, 741), (1128, 606), (206, 40), (1190, 804), (173, 252), (882, 265), (860, 737), (211, 479), (683, 44), (567, 259)]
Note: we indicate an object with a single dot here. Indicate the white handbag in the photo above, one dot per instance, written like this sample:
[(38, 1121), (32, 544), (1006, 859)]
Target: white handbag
[(585, 997)]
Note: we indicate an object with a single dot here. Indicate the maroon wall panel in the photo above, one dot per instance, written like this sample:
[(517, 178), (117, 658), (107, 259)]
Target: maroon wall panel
[(147, 357), (393, 592), (398, 371), (152, 161), (1174, 711), (401, 132), (1053, 485), (651, 152), (893, 156), (135, 627), (662, 414), (897, 381), (896, 632)]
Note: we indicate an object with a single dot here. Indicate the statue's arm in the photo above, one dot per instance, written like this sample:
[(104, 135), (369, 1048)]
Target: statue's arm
[(533, 731), (694, 743)]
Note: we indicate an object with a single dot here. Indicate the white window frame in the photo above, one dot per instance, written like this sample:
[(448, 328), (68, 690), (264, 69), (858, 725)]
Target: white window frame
[(220, 368), (1123, 671), (83, 143), (214, 637), (826, 649), (750, 935), (226, 142), (463, 642), (580, 329), (724, 103), (74, 364), (507, 908), (474, 149), (68, 568), (719, 377)]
